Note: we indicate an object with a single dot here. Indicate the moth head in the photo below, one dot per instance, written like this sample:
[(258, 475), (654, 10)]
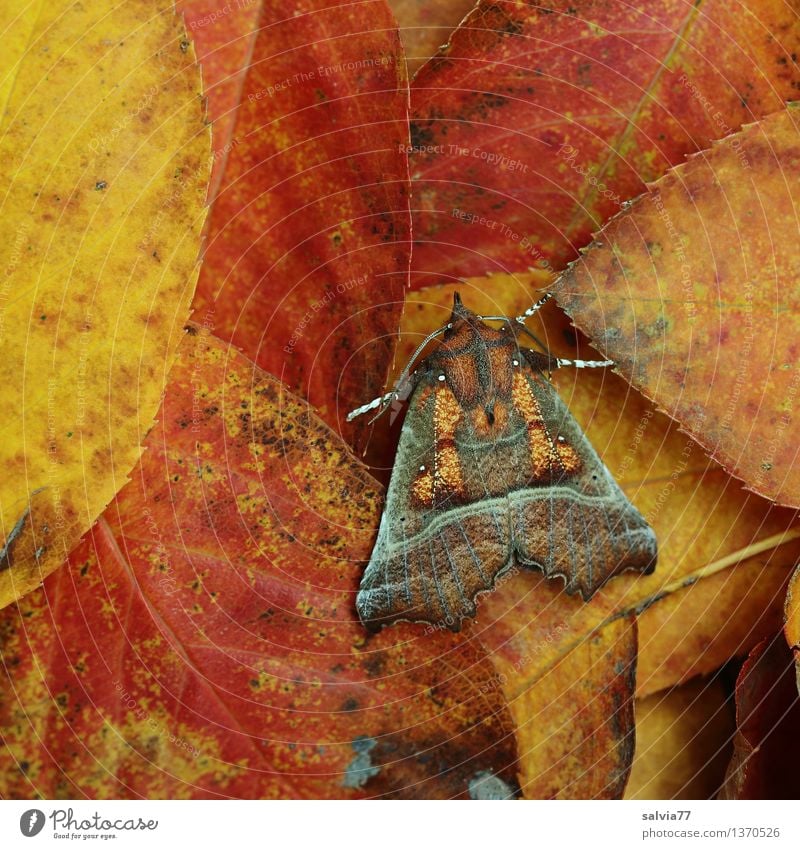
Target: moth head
[(459, 317)]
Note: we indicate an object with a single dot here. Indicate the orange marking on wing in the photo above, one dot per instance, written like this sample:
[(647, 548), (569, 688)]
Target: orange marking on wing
[(447, 476), (447, 414), (448, 470), (569, 458), (543, 453), (422, 488)]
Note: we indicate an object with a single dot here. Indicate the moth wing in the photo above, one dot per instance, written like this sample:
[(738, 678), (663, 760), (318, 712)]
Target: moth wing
[(578, 524), (438, 544)]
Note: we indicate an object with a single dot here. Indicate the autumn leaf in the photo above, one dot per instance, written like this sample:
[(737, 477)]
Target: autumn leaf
[(539, 120), (724, 561), (203, 639), (223, 37), (691, 291), (424, 27), (766, 746), (104, 179), (308, 244), (682, 742), (792, 621)]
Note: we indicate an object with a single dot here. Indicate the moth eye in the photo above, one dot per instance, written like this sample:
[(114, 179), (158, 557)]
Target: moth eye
[(442, 377), (561, 439), (514, 362), (422, 468)]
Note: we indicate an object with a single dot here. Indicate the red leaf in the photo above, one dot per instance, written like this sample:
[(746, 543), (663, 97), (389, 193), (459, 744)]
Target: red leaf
[(308, 248), (538, 120), (203, 639)]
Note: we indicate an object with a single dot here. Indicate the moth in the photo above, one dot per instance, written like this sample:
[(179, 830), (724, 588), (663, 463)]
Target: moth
[(492, 468)]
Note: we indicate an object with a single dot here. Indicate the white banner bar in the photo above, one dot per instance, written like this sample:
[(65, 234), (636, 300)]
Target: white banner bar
[(393, 825)]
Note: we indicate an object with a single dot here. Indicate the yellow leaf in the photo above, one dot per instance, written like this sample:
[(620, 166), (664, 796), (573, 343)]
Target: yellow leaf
[(105, 161), (682, 743)]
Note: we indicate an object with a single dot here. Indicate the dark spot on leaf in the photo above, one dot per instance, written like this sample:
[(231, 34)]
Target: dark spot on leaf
[(420, 136)]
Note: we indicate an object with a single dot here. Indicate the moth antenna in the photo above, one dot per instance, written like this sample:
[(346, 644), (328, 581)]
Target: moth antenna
[(383, 400), (584, 363), (416, 353), (375, 402), (535, 308), (559, 361)]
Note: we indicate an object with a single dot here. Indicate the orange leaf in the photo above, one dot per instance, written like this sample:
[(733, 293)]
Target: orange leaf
[(691, 291), (695, 630), (575, 724), (538, 120), (792, 615), (203, 640)]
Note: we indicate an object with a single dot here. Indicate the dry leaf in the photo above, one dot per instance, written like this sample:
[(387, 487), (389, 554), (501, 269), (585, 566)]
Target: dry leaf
[(766, 747)]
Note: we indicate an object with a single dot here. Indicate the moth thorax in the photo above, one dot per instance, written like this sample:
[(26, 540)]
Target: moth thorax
[(477, 365)]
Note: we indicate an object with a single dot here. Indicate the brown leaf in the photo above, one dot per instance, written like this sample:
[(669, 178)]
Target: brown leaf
[(691, 292), (766, 744)]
